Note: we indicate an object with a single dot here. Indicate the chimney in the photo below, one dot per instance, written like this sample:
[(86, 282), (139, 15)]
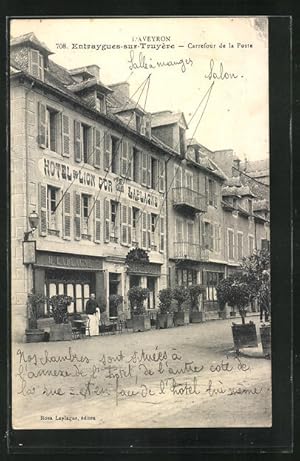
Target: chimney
[(95, 70), (122, 87)]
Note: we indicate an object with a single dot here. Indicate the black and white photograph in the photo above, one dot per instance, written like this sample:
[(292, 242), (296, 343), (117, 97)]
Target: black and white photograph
[(140, 223)]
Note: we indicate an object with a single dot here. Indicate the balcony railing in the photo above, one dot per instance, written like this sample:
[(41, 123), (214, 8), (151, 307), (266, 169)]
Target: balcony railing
[(190, 251), (189, 198)]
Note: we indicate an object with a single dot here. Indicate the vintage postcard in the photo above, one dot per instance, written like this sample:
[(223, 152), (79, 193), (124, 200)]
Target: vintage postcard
[(140, 224)]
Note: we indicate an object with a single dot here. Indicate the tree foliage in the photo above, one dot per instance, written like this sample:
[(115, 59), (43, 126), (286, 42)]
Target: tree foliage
[(137, 297), (165, 300), (181, 295), (194, 293), (59, 305)]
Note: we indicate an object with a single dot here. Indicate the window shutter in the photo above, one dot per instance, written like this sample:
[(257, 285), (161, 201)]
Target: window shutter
[(161, 185), (178, 176), (97, 147), (148, 170), (107, 152), (144, 168), (130, 161), (42, 125), (144, 230), (129, 214), (77, 216), (149, 230), (65, 136), (206, 190), (215, 194), (124, 226), (35, 63), (106, 220), (67, 216), (148, 128), (211, 237), (41, 66), (43, 209), (204, 236), (143, 126), (97, 234), (77, 141), (124, 157), (162, 234)]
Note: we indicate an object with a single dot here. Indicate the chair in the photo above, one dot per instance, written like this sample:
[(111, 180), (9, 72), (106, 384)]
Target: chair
[(105, 325), (122, 323)]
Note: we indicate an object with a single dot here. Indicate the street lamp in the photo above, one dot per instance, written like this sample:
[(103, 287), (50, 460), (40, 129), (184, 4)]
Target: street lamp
[(33, 222)]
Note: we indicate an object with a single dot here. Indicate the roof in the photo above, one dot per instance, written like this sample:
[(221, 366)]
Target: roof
[(261, 205), (119, 102), (167, 117), (30, 38), (256, 166), (91, 82)]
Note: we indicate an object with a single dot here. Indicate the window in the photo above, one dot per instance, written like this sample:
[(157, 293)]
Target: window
[(240, 246), (212, 199), (100, 103), (86, 149), (52, 129), (251, 244), (190, 232), (36, 64), (230, 244), (114, 220), (138, 121), (217, 238), (179, 230), (212, 280), (51, 208), (136, 159), (135, 219), (265, 244), (115, 146), (85, 201), (181, 141), (186, 277), (207, 236), (154, 230), (250, 206), (154, 173)]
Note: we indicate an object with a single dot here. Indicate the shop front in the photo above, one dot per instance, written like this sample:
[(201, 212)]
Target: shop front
[(71, 275)]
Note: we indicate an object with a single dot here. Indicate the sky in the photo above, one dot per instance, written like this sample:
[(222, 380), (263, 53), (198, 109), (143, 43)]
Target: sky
[(214, 70)]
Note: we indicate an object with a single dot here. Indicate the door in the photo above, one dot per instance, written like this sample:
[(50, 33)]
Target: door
[(151, 288)]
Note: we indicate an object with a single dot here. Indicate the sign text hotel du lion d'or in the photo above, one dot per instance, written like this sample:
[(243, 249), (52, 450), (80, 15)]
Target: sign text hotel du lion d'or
[(117, 185)]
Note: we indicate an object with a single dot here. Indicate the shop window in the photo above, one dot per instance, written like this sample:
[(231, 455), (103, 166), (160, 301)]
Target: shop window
[(78, 297), (70, 292), (52, 200), (212, 280), (265, 244), (186, 277)]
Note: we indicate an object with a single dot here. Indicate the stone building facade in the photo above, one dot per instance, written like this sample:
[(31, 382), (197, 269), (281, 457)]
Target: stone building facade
[(104, 177)]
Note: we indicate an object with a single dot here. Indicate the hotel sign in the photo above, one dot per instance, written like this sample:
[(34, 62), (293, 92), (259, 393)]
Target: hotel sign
[(116, 186), (68, 261)]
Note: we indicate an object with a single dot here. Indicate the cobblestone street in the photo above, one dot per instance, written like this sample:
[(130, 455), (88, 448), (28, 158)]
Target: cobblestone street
[(180, 377)]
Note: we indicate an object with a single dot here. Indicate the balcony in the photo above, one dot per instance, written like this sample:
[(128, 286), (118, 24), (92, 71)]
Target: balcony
[(190, 251), (189, 199)]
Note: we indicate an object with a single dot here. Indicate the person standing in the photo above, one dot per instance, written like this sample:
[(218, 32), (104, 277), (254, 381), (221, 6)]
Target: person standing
[(93, 312)]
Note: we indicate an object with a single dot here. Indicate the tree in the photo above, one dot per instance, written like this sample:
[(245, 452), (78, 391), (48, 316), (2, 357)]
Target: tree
[(180, 294), (194, 293), (137, 296), (253, 268), (235, 291), (165, 300)]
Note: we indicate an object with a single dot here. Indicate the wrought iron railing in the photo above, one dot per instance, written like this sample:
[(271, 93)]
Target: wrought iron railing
[(190, 198)]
